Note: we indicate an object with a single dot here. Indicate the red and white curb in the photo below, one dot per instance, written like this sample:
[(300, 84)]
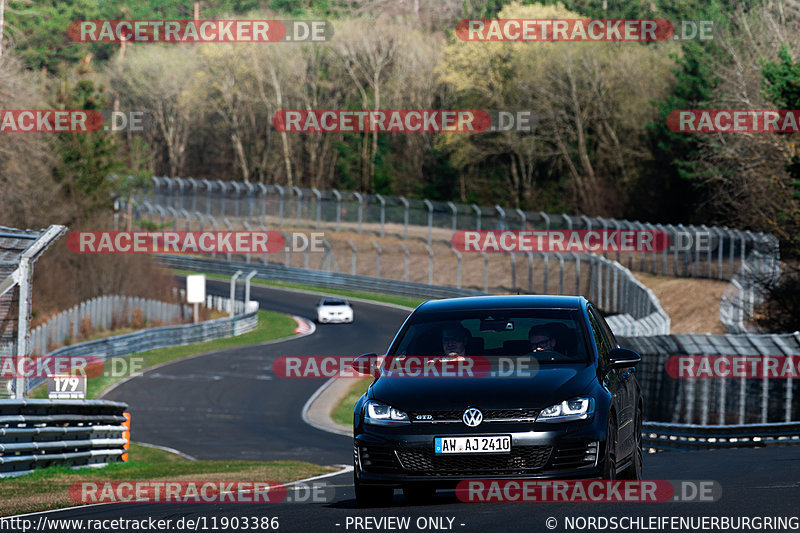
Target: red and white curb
[(304, 326)]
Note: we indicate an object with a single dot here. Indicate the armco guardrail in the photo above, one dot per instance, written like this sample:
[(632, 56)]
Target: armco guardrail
[(39, 433), (613, 287), (150, 339), (723, 401), (660, 436), (744, 292), (102, 312), (714, 252)]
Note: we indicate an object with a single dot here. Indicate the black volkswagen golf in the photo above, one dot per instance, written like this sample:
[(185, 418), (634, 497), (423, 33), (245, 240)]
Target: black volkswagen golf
[(557, 398)]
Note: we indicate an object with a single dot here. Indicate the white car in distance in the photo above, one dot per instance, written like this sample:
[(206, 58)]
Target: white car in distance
[(334, 310)]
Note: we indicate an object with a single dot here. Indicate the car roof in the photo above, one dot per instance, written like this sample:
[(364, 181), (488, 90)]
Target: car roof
[(509, 301)]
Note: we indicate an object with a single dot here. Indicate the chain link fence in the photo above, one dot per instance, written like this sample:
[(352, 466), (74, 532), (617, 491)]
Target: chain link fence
[(696, 251)]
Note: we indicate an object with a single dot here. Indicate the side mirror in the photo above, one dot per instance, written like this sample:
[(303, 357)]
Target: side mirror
[(367, 364), (623, 358)]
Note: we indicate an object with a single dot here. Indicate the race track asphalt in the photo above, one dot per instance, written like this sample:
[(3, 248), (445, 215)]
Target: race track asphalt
[(228, 405)]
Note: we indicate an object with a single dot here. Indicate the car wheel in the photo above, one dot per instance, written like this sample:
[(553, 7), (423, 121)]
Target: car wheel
[(635, 470), (608, 467), (416, 494), (368, 496)]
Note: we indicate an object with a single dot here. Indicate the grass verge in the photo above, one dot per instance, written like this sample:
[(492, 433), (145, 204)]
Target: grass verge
[(404, 301), (343, 412), (271, 326), (48, 488)]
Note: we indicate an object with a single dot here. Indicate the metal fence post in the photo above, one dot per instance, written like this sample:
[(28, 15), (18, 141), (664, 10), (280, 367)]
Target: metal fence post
[(233, 290), (281, 194), (353, 257), (502, 213), (513, 271), (383, 211), (360, 199), (377, 259), (223, 193), (430, 264), (477, 210), (338, 197), (318, 199), (299, 194), (405, 260), (247, 279), (263, 189), (530, 272), (458, 267), (485, 271), (429, 205), (405, 202), (454, 210), (523, 224)]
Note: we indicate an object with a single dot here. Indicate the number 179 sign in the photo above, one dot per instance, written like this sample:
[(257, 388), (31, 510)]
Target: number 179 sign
[(65, 387)]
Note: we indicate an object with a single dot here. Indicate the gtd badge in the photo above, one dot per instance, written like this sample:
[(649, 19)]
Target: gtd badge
[(472, 417), (424, 417)]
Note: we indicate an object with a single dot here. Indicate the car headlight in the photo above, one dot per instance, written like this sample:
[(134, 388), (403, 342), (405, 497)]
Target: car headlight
[(380, 414), (568, 410)]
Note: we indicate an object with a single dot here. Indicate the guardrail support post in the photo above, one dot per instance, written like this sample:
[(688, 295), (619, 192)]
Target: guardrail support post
[(485, 271), (477, 210)]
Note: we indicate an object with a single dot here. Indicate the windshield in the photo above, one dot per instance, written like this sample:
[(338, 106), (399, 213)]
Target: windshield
[(547, 335), (334, 302)]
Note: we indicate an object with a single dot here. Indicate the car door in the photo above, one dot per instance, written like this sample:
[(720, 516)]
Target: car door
[(627, 404), (611, 381)]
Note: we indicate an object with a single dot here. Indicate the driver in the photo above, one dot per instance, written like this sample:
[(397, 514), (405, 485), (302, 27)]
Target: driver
[(454, 341), (542, 338)]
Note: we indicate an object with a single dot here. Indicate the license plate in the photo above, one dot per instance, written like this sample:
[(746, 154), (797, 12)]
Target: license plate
[(483, 444)]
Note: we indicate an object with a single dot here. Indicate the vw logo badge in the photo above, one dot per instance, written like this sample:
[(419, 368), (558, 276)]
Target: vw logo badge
[(472, 417)]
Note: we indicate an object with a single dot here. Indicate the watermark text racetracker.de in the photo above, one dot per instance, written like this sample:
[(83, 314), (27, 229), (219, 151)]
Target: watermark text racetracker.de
[(733, 366), (193, 242), (44, 366), (405, 120), (587, 491), (200, 31), (200, 491), (583, 241), (411, 366), (72, 120), (582, 30)]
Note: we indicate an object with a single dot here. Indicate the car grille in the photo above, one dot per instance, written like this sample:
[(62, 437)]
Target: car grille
[(489, 415), (575, 456), (520, 460)]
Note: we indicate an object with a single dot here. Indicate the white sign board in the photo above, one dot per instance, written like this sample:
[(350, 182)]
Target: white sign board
[(196, 289), (66, 387)]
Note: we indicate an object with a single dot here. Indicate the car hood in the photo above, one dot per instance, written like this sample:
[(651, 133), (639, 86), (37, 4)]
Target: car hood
[(550, 385)]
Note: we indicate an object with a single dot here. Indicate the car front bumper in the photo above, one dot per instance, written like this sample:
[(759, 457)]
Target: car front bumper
[(398, 456)]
